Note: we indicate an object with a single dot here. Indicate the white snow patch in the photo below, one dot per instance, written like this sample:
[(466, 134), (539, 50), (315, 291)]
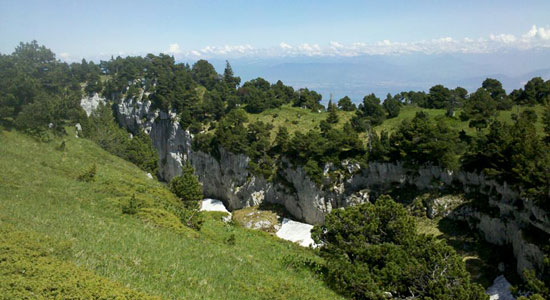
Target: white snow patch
[(213, 205), (296, 232), (500, 290)]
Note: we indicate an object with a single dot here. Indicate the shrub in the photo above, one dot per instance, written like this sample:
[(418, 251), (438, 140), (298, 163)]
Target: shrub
[(88, 175), (188, 188), (373, 249), (132, 206), (231, 240)]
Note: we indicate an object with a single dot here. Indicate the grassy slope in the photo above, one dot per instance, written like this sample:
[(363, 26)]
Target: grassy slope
[(295, 118), (39, 195)]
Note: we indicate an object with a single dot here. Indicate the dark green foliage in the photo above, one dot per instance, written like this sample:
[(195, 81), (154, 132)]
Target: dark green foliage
[(308, 99), (373, 249), (258, 94), (345, 104), (415, 98), (229, 78), (132, 206), (536, 91), (259, 136), (187, 186), (231, 240), (369, 113), (38, 91), (61, 146), (282, 140), (425, 141), (313, 171), (439, 97), (480, 108), (546, 122), (457, 99), (392, 106), (139, 150), (514, 154), (205, 74), (231, 133), (494, 88), (89, 174), (333, 115), (379, 146)]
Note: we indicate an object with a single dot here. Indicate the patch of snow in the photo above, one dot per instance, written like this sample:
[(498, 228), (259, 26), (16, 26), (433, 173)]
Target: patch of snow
[(215, 205), (296, 232), (500, 290)]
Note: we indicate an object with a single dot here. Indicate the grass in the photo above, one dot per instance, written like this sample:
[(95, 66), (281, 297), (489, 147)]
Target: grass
[(300, 119), (296, 118), (408, 113), (147, 252)]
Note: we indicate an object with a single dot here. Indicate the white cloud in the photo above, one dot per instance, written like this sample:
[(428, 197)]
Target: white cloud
[(285, 46), (503, 38), (173, 49), (336, 45), (534, 37), (64, 55)]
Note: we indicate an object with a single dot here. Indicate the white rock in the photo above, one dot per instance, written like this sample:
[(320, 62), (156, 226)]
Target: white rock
[(500, 290), (296, 232), (149, 176), (89, 104)]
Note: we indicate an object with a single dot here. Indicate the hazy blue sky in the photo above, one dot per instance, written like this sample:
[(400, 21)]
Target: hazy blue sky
[(225, 28)]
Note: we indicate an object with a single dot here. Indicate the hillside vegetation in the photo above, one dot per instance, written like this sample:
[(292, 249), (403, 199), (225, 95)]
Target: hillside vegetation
[(302, 119), (69, 238)]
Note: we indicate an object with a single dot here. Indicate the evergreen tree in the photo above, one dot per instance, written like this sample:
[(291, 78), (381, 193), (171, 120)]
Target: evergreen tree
[(229, 78), (187, 186), (345, 104), (479, 109), (439, 97), (392, 106), (495, 90), (369, 113), (423, 141), (282, 138), (332, 113)]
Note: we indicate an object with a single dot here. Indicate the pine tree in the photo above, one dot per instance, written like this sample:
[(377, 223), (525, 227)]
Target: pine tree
[(187, 186), (332, 113)]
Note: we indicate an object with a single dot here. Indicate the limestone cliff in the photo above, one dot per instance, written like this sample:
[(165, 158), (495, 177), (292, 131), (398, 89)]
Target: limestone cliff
[(227, 178)]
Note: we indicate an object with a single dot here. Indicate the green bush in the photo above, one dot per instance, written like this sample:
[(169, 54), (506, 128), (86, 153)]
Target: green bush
[(188, 188), (88, 175), (373, 250), (132, 206)]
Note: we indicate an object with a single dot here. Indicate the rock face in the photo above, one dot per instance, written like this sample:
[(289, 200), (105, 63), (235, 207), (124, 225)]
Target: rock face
[(227, 178), (90, 103), (500, 290)]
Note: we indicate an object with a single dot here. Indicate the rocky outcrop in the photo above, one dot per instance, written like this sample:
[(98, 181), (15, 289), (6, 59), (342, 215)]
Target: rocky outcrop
[(90, 103), (228, 178)]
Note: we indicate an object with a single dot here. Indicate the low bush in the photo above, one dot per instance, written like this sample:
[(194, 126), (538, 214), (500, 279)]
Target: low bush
[(88, 175)]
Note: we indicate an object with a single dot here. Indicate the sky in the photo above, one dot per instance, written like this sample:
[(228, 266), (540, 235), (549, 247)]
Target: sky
[(229, 29)]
